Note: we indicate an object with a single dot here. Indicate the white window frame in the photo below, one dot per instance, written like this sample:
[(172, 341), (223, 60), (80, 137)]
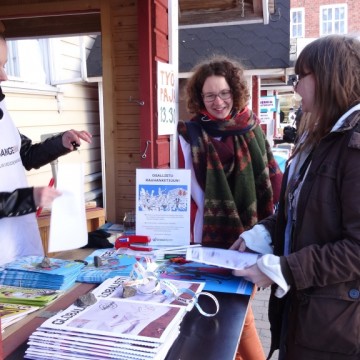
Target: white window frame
[(333, 7), (292, 24), (18, 66)]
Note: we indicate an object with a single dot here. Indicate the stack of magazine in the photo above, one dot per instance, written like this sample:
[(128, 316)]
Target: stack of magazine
[(30, 272), (137, 327), (27, 296), (103, 264)]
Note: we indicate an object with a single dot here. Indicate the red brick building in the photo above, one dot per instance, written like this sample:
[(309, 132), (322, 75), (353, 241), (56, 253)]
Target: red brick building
[(310, 19)]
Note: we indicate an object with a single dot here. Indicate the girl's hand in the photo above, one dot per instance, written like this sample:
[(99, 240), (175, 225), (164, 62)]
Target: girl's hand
[(255, 275), (71, 138), (44, 196)]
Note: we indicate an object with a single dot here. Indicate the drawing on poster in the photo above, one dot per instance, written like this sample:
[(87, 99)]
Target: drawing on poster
[(163, 198)]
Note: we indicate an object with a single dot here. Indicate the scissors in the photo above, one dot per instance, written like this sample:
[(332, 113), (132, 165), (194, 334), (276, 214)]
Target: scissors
[(133, 242)]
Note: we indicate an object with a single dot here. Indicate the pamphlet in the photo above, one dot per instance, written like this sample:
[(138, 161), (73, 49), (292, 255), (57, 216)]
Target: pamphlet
[(226, 258)]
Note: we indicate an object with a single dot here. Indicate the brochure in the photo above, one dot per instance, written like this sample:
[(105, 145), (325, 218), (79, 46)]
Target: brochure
[(230, 259)]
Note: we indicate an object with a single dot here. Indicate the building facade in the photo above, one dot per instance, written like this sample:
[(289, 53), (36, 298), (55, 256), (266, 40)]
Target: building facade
[(310, 19)]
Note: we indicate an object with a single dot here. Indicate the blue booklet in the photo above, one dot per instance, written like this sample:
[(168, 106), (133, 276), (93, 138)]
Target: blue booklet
[(104, 264), (27, 272)]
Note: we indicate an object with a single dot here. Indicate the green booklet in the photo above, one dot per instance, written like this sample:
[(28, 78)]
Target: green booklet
[(27, 296)]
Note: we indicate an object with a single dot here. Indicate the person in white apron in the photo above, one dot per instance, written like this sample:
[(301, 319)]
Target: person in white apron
[(19, 233)]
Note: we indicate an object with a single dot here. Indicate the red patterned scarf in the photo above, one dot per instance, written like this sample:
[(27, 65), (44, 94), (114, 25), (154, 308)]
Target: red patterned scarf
[(234, 165)]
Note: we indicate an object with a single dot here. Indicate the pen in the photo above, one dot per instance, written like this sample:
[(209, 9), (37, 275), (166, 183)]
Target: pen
[(39, 210)]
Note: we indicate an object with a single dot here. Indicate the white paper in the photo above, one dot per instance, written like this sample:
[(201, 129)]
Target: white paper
[(68, 229), (163, 205), (226, 258)]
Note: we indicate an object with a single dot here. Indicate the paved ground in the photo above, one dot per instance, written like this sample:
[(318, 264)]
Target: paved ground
[(260, 308)]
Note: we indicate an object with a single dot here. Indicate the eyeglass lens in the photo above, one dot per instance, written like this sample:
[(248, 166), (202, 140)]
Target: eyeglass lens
[(223, 95)]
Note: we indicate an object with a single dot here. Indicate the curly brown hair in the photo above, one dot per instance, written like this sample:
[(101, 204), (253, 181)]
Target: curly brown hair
[(230, 69)]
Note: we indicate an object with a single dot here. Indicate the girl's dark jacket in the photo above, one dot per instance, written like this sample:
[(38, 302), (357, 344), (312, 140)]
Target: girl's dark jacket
[(323, 268), (33, 156)]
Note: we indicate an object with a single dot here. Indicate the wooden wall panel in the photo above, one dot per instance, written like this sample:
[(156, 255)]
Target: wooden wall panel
[(125, 36)]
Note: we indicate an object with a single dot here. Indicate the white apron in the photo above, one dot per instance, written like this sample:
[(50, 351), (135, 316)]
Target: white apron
[(19, 236)]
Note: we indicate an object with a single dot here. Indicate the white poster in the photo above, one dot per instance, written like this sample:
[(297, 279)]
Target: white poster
[(68, 229), (163, 206), (167, 95)]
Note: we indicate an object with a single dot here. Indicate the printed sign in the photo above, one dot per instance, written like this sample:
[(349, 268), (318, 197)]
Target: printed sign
[(163, 206), (167, 95)]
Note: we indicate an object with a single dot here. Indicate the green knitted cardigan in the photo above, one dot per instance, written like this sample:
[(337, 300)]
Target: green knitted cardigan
[(234, 166)]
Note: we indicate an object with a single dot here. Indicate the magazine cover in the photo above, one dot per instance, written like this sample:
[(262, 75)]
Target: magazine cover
[(113, 288), (120, 318), (216, 278), (230, 259), (113, 263), (28, 296)]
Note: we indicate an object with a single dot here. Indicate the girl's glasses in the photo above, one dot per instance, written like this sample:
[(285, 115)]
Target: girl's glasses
[(223, 95), (297, 78)]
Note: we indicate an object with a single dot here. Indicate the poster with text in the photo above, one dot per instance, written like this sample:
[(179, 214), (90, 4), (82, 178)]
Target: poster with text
[(163, 206), (167, 95)]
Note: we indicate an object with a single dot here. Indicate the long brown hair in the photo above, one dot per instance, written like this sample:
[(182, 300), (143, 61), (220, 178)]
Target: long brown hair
[(334, 62), (230, 69)]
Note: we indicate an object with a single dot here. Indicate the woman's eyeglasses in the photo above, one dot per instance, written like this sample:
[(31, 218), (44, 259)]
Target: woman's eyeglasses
[(223, 95), (297, 78)]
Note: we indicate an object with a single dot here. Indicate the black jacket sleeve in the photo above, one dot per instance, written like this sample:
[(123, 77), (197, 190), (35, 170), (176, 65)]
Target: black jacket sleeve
[(17, 203), (34, 156), (21, 201)]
